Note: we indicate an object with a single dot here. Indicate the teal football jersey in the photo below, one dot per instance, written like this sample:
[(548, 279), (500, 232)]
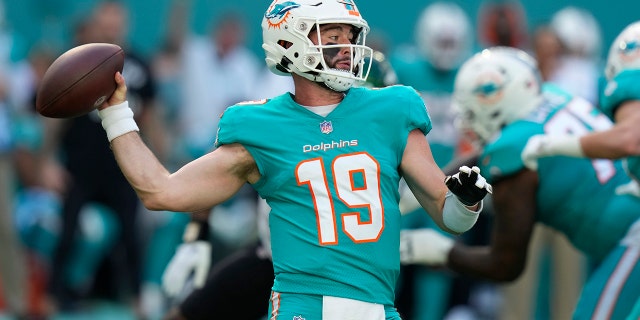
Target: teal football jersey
[(623, 87), (435, 87), (575, 195), (332, 184)]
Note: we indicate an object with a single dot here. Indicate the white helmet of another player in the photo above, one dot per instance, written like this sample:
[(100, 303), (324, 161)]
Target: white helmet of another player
[(286, 27), (494, 88), (578, 30), (625, 51), (443, 34)]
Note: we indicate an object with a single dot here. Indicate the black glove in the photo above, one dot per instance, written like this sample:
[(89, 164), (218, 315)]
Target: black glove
[(468, 185)]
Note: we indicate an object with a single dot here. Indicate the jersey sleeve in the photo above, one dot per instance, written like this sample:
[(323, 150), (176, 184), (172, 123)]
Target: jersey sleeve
[(416, 111), (227, 132), (239, 124), (625, 86), (502, 158)]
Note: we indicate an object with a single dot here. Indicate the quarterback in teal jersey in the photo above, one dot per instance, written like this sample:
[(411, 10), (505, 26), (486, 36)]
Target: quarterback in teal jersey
[(501, 100), (327, 159), (620, 100)]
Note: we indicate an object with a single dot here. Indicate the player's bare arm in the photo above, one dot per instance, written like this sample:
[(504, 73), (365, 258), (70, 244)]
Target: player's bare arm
[(423, 176), (504, 258), (622, 140), (454, 212), (200, 184)]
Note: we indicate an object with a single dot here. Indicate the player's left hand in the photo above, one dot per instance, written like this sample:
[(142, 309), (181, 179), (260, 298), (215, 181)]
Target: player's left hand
[(535, 148), (424, 246), (468, 185), (190, 258)]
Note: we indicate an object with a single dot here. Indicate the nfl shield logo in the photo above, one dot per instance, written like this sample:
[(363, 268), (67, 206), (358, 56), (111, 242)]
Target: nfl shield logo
[(326, 127)]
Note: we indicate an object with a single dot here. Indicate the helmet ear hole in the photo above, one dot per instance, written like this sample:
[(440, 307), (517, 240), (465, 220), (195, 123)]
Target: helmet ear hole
[(285, 44)]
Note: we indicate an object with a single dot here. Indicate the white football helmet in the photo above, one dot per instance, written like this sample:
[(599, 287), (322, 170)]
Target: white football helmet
[(625, 51), (443, 35), (285, 29), (578, 30), (493, 88)]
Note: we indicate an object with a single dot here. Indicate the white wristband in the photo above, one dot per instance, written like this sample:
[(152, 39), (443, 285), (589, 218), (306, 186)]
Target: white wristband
[(117, 120), (456, 216)]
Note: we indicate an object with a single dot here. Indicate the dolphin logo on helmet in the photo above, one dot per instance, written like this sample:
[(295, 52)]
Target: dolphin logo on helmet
[(487, 89), (279, 10), (278, 14)]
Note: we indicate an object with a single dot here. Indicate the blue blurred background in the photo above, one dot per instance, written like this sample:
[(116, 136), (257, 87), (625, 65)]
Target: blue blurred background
[(51, 21)]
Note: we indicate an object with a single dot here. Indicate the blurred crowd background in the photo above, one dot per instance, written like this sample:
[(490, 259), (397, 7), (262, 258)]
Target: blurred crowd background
[(52, 22), (64, 234)]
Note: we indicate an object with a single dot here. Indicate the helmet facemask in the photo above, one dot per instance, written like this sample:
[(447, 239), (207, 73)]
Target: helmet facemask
[(321, 58)]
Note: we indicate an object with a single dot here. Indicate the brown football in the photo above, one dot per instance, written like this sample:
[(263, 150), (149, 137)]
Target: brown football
[(79, 80)]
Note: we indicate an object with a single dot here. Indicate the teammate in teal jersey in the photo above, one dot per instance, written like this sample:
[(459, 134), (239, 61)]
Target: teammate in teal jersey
[(327, 159), (620, 100), (501, 100)]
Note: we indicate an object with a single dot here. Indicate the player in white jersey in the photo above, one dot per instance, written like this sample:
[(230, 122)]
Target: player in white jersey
[(328, 160)]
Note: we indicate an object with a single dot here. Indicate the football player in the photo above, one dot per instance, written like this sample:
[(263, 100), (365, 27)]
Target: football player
[(502, 101), (620, 100), (327, 159)]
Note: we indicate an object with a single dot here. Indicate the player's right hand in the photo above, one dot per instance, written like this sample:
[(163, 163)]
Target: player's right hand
[(120, 95), (190, 258)]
